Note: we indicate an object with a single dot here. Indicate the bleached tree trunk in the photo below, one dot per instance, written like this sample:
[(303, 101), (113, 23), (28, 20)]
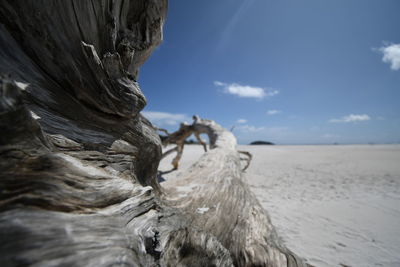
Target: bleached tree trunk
[(215, 198)]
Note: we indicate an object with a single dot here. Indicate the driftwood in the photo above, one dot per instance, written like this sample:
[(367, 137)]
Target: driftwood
[(248, 158), (199, 126), (214, 197), (178, 138), (78, 162)]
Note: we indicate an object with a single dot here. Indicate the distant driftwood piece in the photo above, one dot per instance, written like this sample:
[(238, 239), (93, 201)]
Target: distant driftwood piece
[(199, 126), (178, 138), (78, 162), (248, 158)]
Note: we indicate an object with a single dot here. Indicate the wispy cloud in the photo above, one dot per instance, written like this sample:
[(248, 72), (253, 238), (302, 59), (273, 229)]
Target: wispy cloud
[(241, 121), (231, 25), (273, 112), (246, 90), (391, 55), (164, 118), (352, 118)]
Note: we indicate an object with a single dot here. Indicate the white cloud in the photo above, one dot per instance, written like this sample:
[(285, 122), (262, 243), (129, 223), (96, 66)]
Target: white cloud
[(391, 55), (273, 112), (165, 118), (246, 90), (352, 118), (241, 121)]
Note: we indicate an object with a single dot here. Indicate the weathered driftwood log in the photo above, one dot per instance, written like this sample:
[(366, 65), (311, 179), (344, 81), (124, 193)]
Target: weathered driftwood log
[(215, 198), (78, 163)]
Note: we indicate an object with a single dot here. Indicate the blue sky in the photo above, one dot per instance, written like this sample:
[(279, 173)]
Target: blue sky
[(287, 71)]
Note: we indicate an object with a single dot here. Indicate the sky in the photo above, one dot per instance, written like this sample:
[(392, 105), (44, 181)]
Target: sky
[(285, 71)]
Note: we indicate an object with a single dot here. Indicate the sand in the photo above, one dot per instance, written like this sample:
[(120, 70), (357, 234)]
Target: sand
[(333, 205)]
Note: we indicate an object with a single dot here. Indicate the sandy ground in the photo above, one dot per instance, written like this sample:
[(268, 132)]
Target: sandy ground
[(333, 205)]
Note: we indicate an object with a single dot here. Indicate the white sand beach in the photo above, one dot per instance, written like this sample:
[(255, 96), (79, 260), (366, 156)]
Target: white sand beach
[(333, 205)]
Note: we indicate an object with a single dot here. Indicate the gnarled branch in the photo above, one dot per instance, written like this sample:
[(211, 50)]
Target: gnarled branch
[(199, 126)]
